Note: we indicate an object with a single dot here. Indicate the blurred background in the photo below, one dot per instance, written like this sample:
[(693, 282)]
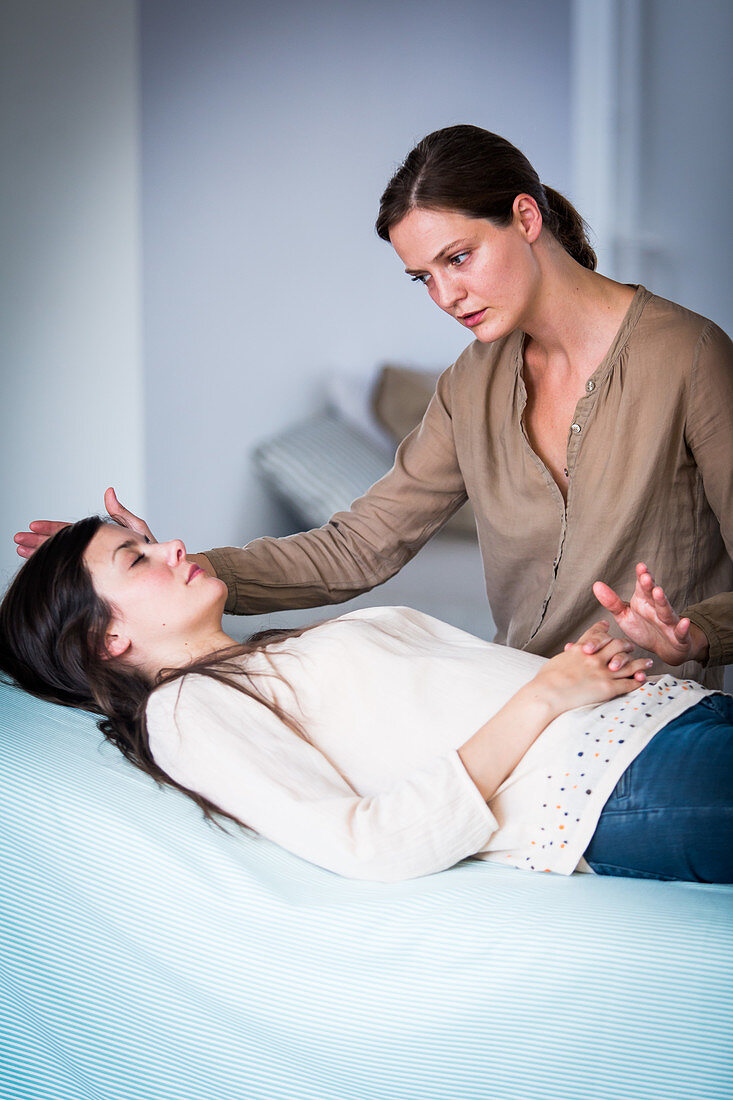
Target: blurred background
[(188, 197)]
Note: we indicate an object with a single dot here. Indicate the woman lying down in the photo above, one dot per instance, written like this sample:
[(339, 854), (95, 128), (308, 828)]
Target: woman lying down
[(383, 744)]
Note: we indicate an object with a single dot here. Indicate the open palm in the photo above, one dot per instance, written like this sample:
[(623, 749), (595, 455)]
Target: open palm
[(650, 621)]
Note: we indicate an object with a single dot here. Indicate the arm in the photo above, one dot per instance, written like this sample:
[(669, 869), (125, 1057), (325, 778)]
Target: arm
[(593, 670), (355, 550), (360, 548), (710, 438), (703, 631), (238, 754)]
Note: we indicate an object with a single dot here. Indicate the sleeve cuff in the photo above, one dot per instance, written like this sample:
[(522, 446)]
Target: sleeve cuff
[(717, 654)]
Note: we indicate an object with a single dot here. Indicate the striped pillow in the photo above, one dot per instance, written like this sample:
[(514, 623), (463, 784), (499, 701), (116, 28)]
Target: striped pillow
[(320, 465)]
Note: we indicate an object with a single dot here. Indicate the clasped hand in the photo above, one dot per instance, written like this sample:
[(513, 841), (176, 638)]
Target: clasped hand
[(594, 669)]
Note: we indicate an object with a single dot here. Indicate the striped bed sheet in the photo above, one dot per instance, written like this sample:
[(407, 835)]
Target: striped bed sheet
[(146, 955)]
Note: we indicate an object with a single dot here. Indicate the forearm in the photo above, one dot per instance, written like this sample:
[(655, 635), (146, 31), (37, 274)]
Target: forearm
[(592, 670), (494, 751), (324, 566)]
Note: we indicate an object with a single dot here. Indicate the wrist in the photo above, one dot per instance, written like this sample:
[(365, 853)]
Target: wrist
[(541, 699), (699, 645)]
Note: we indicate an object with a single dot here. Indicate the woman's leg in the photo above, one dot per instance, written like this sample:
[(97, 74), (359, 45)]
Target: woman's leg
[(671, 813)]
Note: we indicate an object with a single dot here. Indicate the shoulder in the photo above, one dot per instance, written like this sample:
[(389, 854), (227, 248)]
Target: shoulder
[(479, 355), (408, 623), (680, 333), (479, 362), (190, 697)]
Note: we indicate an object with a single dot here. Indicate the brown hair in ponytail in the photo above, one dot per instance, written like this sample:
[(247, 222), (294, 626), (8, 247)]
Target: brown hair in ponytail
[(478, 174), (52, 638)]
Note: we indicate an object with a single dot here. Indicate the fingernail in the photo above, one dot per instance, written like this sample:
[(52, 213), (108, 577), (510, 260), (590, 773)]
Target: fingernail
[(649, 664)]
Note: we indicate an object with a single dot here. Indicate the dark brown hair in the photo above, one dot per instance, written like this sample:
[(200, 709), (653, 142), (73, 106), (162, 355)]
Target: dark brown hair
[(52, 635), (478, 174)]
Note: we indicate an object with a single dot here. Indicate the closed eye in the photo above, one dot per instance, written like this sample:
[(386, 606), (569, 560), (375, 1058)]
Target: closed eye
[(137, 559)]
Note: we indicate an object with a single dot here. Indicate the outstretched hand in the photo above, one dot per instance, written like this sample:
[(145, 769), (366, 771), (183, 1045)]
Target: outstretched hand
[(650, 621), (27, 542)]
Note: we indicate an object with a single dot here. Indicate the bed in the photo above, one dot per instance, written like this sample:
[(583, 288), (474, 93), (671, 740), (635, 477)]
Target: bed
[(149, 956)]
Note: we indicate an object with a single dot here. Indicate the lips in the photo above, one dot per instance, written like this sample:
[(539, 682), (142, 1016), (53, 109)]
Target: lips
[(195, 570), (471, 319)]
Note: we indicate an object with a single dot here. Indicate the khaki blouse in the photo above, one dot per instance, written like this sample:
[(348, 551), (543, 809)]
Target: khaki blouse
[(650, 478)]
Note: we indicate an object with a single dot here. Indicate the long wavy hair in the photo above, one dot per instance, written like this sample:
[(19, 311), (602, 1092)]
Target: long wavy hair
[(53, 626), (478, 174)]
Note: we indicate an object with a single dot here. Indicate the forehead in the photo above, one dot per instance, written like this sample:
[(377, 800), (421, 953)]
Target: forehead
[(422, 234), (104, 543)]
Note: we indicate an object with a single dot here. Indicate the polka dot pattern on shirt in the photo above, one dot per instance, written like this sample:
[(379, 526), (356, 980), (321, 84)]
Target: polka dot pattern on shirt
[(567, 790)]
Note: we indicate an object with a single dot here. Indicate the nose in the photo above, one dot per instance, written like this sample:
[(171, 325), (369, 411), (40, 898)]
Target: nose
[(447, 290), (174, 551)]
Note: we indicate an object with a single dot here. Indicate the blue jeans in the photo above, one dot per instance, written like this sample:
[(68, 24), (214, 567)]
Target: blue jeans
[(670, 815)]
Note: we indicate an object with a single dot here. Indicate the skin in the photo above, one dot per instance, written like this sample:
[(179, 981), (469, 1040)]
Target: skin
[(167, 612)]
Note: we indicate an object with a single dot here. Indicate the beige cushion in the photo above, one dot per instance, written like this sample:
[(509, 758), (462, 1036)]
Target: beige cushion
[(401, 396)]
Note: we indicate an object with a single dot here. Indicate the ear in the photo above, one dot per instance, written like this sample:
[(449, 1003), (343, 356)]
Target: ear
[(527, 216), (115, 645)]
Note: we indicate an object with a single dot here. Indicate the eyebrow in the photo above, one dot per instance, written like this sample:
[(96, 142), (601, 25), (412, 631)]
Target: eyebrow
[(130, 544), (441, 256)]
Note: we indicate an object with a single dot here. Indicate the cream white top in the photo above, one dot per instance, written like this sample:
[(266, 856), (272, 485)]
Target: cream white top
[(377, 790)]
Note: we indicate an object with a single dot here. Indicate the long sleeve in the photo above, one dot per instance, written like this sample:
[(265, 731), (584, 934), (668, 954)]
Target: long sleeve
[(709, 434), (233, 750), (361, 548)]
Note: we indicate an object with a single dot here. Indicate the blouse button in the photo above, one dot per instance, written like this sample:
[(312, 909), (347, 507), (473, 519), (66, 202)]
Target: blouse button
[(590, 385), (575, 428)]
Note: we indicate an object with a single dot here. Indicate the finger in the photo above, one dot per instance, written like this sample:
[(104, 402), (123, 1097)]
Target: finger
[(645, 581), (663, 608), (636, 669), (594, 637), (615, 652), (124, 517), (627, 682), (29, 540), (608, 598), (620, 660), (682, 630), (47, 527), (117, 511)]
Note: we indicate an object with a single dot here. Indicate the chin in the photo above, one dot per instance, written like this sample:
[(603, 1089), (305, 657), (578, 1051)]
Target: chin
[(489, 331)]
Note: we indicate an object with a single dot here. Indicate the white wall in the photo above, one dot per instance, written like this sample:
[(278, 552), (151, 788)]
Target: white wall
[(71, 391), (652, 104), (269, 132), (687, 166)]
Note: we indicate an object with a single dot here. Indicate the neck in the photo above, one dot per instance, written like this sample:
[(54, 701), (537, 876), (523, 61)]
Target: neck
[(572, 307), (185, 651)]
